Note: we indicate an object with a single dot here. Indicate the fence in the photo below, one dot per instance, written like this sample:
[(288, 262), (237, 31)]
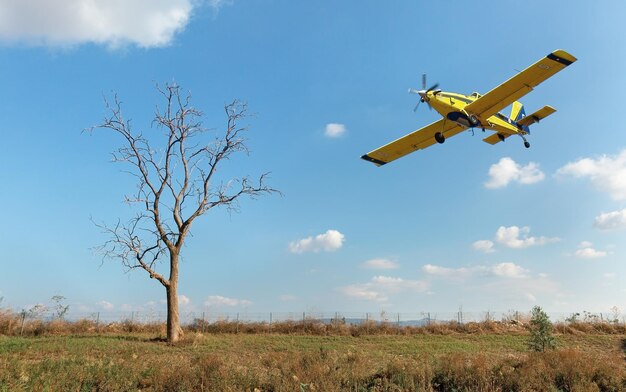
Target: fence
[(354, 318)]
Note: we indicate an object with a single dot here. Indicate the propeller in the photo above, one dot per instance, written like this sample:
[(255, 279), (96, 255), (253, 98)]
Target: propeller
[(422, 93), (414, 91)]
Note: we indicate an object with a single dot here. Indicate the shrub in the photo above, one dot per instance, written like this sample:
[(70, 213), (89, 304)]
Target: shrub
[(540, 331)]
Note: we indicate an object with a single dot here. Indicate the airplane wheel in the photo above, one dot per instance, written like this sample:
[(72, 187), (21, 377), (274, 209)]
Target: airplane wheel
[(526, 144), (473, 120), (440, 138)]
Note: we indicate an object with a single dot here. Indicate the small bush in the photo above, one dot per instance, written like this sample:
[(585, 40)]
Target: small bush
[(540, 331)]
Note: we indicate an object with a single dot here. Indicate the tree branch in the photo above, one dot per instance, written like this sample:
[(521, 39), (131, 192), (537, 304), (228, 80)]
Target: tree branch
[(180, 178)]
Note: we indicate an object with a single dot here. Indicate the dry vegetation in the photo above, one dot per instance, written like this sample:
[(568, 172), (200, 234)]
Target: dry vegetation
[(14, 324), (306, 356)]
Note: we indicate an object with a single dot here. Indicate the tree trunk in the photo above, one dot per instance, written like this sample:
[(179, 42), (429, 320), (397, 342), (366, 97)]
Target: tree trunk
[(174, 331)]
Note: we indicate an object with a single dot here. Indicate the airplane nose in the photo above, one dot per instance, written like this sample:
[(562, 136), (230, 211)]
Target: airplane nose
[(422, 93)]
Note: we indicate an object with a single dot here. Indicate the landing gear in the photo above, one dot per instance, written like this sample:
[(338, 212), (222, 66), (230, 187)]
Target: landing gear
[(473, 119), (526, 144), (439, 137), (501, 137)]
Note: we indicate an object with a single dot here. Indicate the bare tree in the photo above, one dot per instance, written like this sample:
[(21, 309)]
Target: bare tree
[(176, 183)]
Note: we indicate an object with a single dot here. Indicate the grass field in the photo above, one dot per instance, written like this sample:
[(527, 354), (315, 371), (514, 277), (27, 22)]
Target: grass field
[(304, 362)]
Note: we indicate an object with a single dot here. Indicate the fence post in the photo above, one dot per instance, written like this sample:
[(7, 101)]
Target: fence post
[(270, 321), (428, 318), (22, 327), (98, 321), (203, 322), (237, 324), (398, 319)]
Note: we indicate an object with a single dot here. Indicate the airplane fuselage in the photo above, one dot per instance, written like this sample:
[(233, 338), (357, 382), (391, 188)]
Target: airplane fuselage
[(452, 107)]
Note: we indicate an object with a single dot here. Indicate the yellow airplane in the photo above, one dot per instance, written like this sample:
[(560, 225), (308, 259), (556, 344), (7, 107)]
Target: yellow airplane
[(461, 112)]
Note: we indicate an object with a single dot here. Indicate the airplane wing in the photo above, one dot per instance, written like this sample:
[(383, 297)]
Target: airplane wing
[(420, 139), (520, 84), (494, 138), (537, 116), (528, 120)]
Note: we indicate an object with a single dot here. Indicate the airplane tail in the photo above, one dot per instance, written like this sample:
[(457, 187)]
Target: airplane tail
[(518, 113)]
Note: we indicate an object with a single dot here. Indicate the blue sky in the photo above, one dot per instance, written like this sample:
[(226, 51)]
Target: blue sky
[(461, 224)]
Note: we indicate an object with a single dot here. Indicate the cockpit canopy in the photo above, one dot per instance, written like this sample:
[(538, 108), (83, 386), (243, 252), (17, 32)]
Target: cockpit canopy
[(475, 95)]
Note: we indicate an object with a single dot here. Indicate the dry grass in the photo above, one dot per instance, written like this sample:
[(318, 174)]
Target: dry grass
[(306, 356), (13, 324), (590, 327), (314, 327), (277, 362)]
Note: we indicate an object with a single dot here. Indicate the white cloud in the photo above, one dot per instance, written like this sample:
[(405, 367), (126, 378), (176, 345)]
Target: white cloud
[(509, 270), (379, 288), (397, 284), (516, 237), (114, 23), (218, 300), (362, 291), (506, 270), (287, 297), (330, 241), (607, 173), (483, 246), (106, 305), (382, 264), (507, 171), (611, 220), (586, 251), (183, 300), (590, 253), (334, 130), (446, 272)]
